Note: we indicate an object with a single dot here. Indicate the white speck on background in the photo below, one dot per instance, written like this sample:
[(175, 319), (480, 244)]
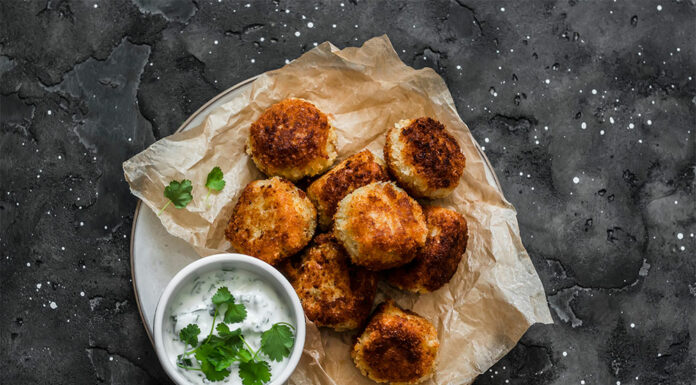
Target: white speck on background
[(547, 81), (215, 42), (649, 122), (96, 6), (38, 286), (576, 180), (486, 140), (594, 92), (680, 236), (630, 126), (502, 9), (310, 25), (82, 294), (565, 354), (53, 305), (297, 33), (659, 8), (583, 125), (459, 67), (633, 325), (601, 132), (611, 120)]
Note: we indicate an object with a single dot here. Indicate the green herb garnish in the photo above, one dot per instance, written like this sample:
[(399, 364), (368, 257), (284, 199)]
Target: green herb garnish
[(178, 193), (214, 182), (216, 353)]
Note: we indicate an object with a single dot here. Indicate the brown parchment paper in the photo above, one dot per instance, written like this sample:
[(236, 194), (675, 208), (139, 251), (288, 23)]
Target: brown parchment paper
[(495, 295)]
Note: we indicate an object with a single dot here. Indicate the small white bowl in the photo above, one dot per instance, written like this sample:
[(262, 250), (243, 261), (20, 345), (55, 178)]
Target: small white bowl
[(228, 261)]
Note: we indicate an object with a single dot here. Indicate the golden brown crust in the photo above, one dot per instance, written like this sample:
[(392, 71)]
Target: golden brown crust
[(380, 226), (333, 292), (397, 346), (438, 260), (293, 139), (432, 154), (272, 220), (356, 171)]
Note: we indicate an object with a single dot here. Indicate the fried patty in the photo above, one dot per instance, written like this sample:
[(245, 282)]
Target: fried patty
[(380, 226), (358, 170), (438, 260), (292, 139), (272, 220), (333, 292), (424, 158), (397, 346)]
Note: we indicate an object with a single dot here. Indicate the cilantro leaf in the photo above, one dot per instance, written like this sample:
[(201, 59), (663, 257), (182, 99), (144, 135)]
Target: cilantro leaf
[(189, 334), (277, 341), (254, 373), (222, 295), (215, 181), (221, 358), (211, 373), (245, 355), (235, 313), (178, 193), (222, 329)]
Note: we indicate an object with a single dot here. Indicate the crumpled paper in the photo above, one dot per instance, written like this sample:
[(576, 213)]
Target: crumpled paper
[(495, 295)]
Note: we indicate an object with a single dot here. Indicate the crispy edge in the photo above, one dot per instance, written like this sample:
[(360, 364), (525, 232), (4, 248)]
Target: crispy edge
[(431, 151), (281, 243), (354, 172), (303, 140), (438, 260), (393, 347), (323, 262), (378, 249)]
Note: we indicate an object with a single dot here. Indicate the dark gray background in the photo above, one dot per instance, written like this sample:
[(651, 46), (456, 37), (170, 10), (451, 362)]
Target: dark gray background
[(601, 91)]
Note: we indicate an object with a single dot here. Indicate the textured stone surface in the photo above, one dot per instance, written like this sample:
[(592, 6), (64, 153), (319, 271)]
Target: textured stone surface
[(586, 109)]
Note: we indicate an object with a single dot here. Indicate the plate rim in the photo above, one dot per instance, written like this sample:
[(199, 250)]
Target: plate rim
[(140, 202), (181, 127)]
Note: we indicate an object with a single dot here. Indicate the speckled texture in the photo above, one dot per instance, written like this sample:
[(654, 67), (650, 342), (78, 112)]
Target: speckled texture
[(586, 109)]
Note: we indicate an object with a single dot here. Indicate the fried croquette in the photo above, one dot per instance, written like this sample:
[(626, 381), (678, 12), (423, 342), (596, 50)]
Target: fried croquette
[(380, 226), (272, 220), (424, 158), (397, 346), (333, 292), (438, 260), (359, 170), (292, 139)]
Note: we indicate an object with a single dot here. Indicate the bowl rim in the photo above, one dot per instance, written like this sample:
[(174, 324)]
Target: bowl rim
[(191, 269)]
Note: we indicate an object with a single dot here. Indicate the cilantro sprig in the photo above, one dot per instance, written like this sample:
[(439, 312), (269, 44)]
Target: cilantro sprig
[(214, 182), (178, 193), (216, 353)]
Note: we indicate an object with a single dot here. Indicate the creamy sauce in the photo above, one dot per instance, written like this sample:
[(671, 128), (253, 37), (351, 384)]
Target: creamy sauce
[(193, 305)]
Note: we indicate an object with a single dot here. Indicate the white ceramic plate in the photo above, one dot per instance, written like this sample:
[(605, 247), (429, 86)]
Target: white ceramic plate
[(156, 255)]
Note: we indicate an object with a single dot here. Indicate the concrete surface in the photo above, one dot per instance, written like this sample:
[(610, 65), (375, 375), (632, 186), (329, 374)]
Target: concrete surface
[(587, 110)]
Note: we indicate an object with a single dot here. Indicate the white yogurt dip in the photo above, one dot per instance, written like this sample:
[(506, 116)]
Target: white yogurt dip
[(193, 305)]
